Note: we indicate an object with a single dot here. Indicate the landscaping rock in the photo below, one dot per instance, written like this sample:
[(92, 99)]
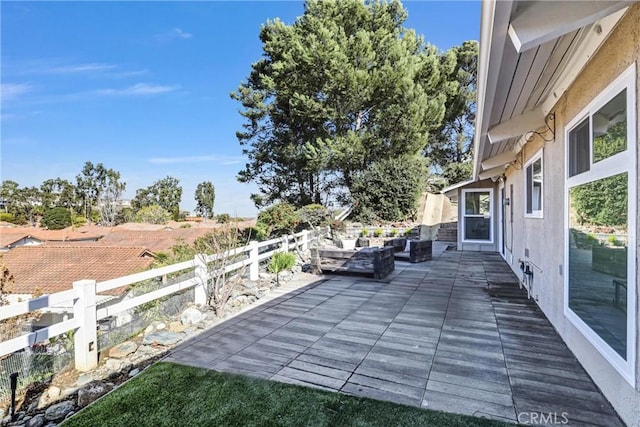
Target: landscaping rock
[(250, 284), (155, 326), (266, 276), (58, 411), (123, 350), (134, 372), (285, 276), (89, 394), (5, 421), (191, 316), (36, 421), (114, 364), (53, 392), (176, 326), (162, 338), (83, 379)]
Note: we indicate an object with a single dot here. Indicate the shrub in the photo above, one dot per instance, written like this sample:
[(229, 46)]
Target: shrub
[(258, 232), (56, 219), (364, 232), (407, 232), (78, 220), (280, 219), (394, 232), (153, 214), (377, 232), (389, 189), (185, 225), (223, 218), (280, 262), (314, 215), (7, 217)]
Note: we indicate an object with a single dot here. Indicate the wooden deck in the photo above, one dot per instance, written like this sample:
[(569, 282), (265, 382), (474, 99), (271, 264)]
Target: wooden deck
[(453, 334)]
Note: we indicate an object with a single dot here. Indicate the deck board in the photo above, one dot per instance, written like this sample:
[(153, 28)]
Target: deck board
[(455, 334)]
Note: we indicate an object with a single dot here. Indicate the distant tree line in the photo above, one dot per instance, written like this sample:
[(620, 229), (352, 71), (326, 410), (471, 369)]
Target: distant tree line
[(96, 196)]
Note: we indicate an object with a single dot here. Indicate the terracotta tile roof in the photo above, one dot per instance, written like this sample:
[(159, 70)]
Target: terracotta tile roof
[(156, 241), (50, 268), (9, 237)]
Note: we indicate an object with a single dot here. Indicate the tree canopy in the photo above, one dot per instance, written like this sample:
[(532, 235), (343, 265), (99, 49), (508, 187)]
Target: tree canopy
[(165, 192), (450, 146), (344, 86), (205, 198)]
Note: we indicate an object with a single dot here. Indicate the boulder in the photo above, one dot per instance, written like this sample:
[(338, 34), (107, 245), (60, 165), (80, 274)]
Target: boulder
[(162, 338), (134, 372), (89, 394), (123, 350), (58, 411), (191, 316)]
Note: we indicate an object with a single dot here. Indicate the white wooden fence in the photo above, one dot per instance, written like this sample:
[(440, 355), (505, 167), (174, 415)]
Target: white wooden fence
[(83, 294)]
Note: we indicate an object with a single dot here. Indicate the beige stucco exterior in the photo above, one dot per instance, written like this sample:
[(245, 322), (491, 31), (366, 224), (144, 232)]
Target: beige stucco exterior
[(542, 241)]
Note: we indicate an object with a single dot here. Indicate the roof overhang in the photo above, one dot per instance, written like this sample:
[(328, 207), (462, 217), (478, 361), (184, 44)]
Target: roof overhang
[(530, 53), (542, 21)]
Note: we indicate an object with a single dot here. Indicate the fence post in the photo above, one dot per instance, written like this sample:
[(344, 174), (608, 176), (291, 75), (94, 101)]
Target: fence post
[(305, 240), (285, 243), (254, 266), (85, 338), (202, 278)]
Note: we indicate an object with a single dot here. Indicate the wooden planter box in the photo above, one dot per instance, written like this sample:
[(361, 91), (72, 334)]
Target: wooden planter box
[(398, 244), (419, 250), (378, 262)]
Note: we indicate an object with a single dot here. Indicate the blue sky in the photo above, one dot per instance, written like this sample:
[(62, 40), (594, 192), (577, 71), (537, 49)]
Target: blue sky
[(143, 87)]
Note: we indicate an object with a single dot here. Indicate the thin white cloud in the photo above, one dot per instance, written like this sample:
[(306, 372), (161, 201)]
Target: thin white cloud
[(181, 34), (79, 68), (224, 160), (173, 34), (126, 74), (138, 89), (11, 91)]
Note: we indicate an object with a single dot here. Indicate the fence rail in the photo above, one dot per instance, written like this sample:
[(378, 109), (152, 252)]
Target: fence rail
[(86, 314)]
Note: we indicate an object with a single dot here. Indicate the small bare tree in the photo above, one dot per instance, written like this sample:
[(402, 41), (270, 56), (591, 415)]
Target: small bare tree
[(12, 327), (218, 251)]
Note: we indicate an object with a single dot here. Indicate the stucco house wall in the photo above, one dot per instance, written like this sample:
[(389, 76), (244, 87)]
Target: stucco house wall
[(543, 239)]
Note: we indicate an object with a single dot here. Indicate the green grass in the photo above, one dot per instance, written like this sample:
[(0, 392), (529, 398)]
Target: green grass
[(167, 394)]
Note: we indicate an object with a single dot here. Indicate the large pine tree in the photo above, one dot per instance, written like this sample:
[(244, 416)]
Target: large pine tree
[(344, 86)]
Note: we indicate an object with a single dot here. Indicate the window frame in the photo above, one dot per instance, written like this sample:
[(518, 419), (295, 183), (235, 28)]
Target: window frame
[(528, 186), (465, 215), (622, 162)]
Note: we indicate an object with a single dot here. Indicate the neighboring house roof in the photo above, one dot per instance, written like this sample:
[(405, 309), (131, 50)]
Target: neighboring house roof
[(9, 238), (50, 268), (156, 241), (530, 53)]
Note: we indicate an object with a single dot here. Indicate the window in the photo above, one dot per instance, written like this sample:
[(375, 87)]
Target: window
[(533, 185), (601, 206), (579, 148), (478, 209)]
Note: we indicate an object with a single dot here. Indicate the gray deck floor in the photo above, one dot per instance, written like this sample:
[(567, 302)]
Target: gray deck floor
[(453, 334)]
